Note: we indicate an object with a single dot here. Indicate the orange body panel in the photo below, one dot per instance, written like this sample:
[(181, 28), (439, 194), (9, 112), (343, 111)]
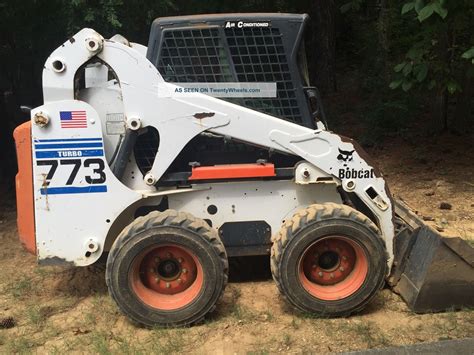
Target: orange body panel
[(232, 171), (24, 187)]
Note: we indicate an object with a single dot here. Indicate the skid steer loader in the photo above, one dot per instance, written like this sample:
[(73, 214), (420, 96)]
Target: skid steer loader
[(170, 186)]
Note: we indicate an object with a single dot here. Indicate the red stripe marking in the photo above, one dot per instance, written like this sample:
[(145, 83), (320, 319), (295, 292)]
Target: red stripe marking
[(232, 171)]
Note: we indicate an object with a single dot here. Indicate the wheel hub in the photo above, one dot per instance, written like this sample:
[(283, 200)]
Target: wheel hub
[(329, 261), (168, 270)]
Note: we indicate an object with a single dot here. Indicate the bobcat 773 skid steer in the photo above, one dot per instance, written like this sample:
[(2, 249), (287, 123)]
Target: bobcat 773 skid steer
[(171, 186)]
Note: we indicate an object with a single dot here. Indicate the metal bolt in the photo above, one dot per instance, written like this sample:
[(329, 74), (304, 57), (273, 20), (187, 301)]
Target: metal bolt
[(331, 275), (184, 271), (337, 249), (344, 257), (168, 285), (169, 255), (320, 274), (152, 270), (179, 281), (350, 185), (157, 279), (150, 179), (157, 260), (180, 260), (341, 269), (314, 266)]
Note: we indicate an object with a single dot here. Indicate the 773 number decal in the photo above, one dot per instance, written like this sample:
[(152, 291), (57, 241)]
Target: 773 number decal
[(97, 166)]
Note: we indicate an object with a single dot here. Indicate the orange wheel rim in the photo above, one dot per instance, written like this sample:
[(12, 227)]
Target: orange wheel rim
[(333, 268), (167, 277)]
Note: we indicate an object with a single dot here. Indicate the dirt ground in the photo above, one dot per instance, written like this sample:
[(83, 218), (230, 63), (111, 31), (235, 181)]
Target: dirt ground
[(58, 310)]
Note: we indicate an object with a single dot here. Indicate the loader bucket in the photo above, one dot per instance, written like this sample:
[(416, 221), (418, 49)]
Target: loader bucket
[(431, 273)]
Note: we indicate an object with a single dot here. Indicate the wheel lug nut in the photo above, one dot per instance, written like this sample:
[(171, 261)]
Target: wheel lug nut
[(341, 269), (157, 260), (157, 279), (180, 260), (344, 257), (314, 266), (337, 249), (152, 270), (331, 275), (168, 285), (169, 255), (179, 281), (184, 271), (320, 274)]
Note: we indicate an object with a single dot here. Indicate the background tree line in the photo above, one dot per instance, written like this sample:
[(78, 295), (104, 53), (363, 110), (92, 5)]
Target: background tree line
[(393, 66)]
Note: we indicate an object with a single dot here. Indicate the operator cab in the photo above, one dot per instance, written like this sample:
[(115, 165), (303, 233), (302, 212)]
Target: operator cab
[(225, 48)]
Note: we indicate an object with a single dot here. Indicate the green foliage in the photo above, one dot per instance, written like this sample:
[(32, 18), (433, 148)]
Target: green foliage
[(353, 5), (386, 118), (439, 43), (469, 54)]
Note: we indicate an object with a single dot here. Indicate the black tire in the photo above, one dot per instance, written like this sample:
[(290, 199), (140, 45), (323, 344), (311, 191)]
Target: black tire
[(154, 233), (328, 223)]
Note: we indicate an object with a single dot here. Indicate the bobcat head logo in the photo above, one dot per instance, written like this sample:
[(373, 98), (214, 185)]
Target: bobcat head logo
[(345, 155)]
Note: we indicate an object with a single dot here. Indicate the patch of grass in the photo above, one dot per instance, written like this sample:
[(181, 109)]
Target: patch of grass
[(35, 315), (73, 344), (21, 345), (307, 315), (44, 271), (236, 293), (268, 316), (295, 323), (20, 287), (258, 352), (104, 305), (370, 334), (128, 346), (65, 303), (166, 341), (242, 313), (90, 319), (286, 341), (448, 325), (100, 343)]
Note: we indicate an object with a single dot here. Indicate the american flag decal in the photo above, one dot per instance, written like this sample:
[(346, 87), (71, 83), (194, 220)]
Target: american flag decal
[(73, 119)]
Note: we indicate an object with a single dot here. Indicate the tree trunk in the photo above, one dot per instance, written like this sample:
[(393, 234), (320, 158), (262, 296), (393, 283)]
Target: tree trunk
[(322, 45), (463, 119), (441, 111), (383, 26)]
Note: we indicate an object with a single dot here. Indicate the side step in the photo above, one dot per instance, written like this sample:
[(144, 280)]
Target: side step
[(431, 273)]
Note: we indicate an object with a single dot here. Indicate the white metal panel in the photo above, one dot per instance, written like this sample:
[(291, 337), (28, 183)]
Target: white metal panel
[(71, 214), (269, 201)]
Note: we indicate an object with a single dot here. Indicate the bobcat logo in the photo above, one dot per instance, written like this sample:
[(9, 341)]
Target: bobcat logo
[(345, 155)]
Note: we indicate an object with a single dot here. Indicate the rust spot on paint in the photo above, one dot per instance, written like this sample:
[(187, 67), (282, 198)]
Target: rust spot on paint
[(201, 115)]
